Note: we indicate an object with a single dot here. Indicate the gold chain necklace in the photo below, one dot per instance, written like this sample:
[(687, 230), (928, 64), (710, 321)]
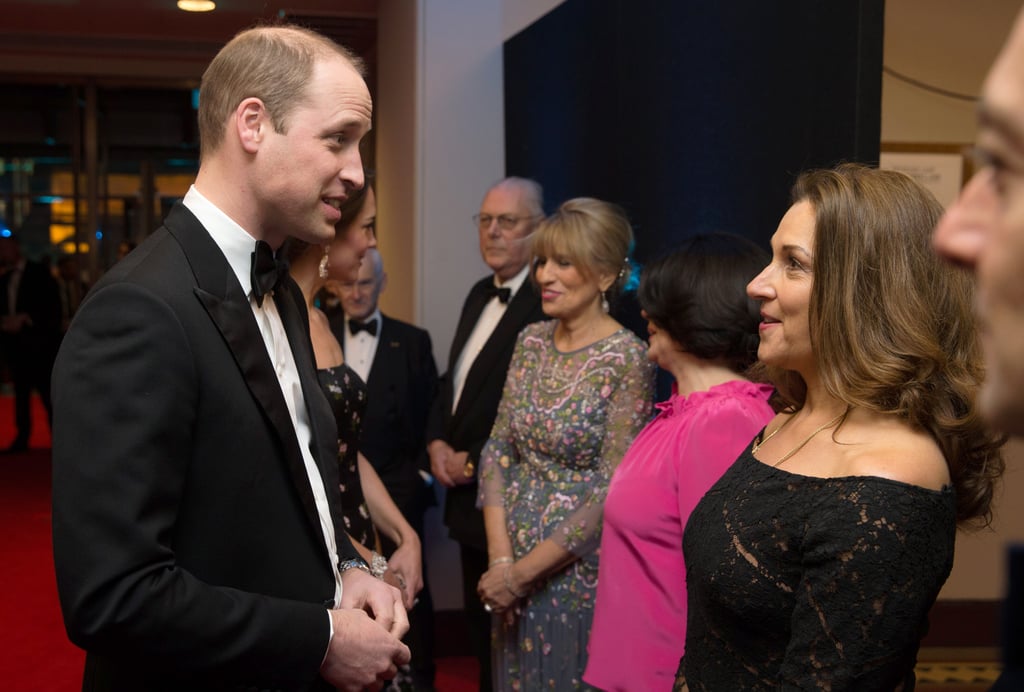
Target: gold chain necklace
[(787, 455)]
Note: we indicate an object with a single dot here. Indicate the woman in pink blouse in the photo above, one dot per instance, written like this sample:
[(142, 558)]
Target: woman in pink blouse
[(703, 331)]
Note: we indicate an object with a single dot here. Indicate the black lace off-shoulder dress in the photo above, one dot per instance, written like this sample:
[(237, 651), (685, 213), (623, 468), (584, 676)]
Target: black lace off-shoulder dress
[(799, 583)]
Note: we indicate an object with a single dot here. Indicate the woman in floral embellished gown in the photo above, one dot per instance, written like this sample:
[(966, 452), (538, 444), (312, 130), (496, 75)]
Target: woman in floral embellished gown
[(578, 390)]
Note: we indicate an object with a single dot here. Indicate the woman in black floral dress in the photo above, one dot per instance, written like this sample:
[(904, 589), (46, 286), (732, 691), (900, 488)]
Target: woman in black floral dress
[(367, 506), (347, 394)]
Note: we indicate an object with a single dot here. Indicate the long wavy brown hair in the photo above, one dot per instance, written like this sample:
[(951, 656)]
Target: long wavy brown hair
[(891, 324)]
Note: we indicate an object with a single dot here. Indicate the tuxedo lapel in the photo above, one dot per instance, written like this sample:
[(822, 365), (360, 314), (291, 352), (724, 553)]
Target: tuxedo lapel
[(475, 303), (388, 346), (220, 293), (323, 427), (505, 333)]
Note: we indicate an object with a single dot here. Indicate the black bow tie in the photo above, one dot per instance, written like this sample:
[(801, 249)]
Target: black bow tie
[(267, 271), (503, 293), (355, 326)]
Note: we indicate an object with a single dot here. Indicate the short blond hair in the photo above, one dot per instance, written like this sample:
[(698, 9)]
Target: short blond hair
[(271, 63)]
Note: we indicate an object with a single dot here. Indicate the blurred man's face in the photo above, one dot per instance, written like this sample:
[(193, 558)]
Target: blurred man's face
[(984, 231), (505, 224), (359, 298)]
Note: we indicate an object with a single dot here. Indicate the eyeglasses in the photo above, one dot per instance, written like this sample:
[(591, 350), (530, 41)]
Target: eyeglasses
[(506, 222), (362, 285)]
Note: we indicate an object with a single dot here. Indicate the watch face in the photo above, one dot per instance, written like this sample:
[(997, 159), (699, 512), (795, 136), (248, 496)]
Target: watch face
[(355, 562)]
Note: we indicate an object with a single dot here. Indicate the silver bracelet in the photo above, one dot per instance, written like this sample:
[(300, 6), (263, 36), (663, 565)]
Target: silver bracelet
[(508, 584), (378, 565)]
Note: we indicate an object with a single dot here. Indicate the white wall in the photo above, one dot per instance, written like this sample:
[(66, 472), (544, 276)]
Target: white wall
[(440, 145), (945, 43)]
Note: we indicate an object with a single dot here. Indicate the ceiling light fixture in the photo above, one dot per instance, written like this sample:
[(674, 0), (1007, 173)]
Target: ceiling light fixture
[(196, 5)]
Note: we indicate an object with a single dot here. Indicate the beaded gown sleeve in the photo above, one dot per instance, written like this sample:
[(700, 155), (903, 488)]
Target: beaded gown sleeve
[(797, 582), (563, 425)]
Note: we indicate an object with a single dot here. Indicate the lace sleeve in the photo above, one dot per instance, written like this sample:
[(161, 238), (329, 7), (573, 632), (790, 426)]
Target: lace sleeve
[(500, 450), (628, 411), (871, 570)]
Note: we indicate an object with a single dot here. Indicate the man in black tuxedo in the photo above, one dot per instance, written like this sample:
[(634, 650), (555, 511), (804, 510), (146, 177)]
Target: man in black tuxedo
[(196, 513), (396, 360), (30, 315), (498, 306)]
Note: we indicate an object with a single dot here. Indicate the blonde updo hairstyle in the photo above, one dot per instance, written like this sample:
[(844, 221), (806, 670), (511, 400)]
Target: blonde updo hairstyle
[(595, 236)]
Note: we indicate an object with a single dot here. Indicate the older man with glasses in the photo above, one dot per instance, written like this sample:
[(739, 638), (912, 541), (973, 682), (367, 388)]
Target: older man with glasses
[(498, 306)]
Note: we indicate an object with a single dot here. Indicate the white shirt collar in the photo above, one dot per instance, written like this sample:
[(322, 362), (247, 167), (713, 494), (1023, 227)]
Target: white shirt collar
[(516, 281), (235, 242), (375, 315)]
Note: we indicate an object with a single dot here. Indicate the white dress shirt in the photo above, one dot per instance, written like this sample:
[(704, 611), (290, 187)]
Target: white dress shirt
[(360, 348), (237, 246), (488, 320)]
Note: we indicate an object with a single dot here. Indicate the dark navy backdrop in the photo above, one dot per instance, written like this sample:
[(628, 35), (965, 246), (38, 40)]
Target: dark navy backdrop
[(695, 115)]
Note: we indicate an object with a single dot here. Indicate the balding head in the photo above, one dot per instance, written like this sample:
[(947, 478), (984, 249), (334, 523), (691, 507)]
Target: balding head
[(359, 298), (509, 214)]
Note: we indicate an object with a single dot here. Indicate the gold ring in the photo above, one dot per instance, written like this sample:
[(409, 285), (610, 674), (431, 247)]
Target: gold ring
[(468, 469)]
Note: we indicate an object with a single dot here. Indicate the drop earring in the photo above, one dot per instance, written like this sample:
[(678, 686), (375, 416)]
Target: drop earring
[(322, 269), (604, 301)]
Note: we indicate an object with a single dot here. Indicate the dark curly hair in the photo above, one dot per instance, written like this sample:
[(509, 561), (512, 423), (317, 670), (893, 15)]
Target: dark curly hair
[(697, 293)]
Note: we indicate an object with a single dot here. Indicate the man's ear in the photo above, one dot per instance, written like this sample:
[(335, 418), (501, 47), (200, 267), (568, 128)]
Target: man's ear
[(250, 120)]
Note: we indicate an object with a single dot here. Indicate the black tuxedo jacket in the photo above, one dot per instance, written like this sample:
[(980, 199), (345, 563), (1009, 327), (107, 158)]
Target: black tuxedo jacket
[(470, 426), (188, 550), (401, 387)]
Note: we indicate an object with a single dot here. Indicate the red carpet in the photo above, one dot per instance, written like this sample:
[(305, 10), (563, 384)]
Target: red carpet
[(35, 653)]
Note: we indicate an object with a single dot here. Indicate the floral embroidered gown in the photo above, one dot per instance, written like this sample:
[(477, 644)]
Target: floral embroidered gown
[(564, 424)]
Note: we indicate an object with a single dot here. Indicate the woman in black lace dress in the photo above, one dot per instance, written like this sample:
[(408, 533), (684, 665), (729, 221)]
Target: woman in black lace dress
[(366, 504), (814, 560)]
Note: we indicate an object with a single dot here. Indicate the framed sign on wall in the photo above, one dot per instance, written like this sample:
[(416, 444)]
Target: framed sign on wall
[(942, 168)]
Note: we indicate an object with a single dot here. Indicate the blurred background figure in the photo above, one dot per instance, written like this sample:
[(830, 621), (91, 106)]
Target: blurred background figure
[(123, 248), (984, 232), (578, 390), (703, 331), (71, 288), (396, 361), (813, 562), (30, 328)]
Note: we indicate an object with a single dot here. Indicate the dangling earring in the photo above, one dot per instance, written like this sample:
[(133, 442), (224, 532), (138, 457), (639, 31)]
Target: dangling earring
[(604, 301), (323, 265)]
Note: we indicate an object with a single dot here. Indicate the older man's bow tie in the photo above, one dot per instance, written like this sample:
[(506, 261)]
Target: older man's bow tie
[(267, 271), (503, 293), (355, 326)]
